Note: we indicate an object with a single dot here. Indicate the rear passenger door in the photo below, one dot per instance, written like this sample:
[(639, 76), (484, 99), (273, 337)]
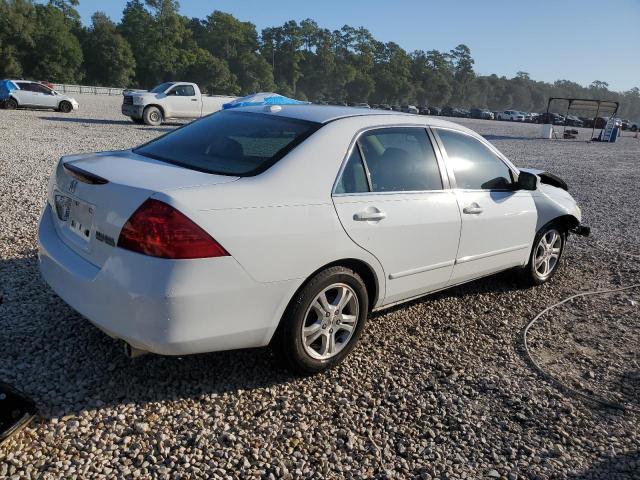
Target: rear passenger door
[(498, 220), (393, 201)]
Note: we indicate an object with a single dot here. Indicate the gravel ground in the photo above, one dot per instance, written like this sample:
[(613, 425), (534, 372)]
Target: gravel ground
[(439, 388)]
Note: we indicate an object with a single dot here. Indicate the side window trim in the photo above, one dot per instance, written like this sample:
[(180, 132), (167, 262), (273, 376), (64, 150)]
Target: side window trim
[(355, 143), (365, 166), (447, 183), (499, 156)]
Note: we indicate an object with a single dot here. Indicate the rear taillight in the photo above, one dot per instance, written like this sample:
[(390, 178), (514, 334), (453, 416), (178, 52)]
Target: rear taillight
[(159, 230)]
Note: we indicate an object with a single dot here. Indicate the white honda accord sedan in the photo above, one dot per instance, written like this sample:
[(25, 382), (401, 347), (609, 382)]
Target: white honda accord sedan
[(288, 225)]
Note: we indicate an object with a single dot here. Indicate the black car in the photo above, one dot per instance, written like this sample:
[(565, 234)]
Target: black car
[(449, 112), (481, 113), (551, 117), (435, 111), (423, 110), (573, 121)]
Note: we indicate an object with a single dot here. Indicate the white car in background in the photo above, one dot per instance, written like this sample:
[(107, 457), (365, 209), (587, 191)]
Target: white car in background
[(288, 225), (36, 95), (511, 115), (170, 100)]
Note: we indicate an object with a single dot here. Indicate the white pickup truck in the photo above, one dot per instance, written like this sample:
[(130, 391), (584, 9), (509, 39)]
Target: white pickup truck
[(170, 100)]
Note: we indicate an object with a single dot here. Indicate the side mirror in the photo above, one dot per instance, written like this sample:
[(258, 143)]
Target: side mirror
[(527, 181)]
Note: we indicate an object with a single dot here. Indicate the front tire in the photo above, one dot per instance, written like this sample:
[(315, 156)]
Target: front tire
[(65, 107), (152, 116), (323, 322), (544, 260)]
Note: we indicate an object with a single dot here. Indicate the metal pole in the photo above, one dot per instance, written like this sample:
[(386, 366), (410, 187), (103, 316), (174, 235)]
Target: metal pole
[(593, 130), (565, 118)]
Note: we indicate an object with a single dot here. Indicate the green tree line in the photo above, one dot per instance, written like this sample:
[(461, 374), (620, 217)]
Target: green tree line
[(154, 43)]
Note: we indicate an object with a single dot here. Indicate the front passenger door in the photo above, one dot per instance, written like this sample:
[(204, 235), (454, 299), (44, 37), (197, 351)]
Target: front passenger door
[(498, 221), (184, 102), (45, 96)]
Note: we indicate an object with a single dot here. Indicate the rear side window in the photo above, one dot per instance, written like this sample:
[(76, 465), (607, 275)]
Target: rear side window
[(474, 165), (354, 176), (230, 143), (400, 160), (25, 86)]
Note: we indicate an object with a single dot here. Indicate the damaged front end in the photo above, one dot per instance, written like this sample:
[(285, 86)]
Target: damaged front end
[(555, 203)]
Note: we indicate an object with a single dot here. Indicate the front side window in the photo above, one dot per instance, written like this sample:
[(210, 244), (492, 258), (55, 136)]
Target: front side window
[(230, 143), (400, 160), (36, 87), (474, 165), (183, 91)]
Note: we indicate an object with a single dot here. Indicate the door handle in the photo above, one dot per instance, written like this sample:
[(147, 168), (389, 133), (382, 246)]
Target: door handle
[(369, 216), (473, 209), (194, 99)]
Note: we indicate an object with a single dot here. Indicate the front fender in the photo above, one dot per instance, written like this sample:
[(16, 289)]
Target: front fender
[(553, 203)]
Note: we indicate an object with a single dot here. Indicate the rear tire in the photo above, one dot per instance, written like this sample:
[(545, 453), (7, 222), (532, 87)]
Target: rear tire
[(65, 107), (11, 103), (152, 116), (546, 254), (323, 322)]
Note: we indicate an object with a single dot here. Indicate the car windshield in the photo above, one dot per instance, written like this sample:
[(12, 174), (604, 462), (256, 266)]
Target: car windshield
[(230, 142), (161, 88)]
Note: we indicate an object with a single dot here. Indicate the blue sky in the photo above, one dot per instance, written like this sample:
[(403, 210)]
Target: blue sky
[(578, 40)]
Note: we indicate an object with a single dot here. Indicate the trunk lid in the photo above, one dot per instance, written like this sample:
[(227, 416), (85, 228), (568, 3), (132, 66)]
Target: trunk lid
[(95, 194)]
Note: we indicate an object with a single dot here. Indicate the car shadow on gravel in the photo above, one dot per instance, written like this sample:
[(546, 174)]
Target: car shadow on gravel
[(100, 121), (501, 282), (618, 467), (67, 365)]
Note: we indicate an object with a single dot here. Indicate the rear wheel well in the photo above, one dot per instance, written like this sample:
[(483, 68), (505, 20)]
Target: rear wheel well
[(361, 268)]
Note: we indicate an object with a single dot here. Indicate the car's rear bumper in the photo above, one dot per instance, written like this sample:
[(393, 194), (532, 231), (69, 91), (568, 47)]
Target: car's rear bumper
[(170, 307), (134, 111)]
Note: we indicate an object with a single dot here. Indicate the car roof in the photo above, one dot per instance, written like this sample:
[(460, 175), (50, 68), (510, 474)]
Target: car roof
[(329, 113), (315, 113)]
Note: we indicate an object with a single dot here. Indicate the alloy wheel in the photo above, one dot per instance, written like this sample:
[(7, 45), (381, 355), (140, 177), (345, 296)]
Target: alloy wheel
[(330, 321), (547, 253)]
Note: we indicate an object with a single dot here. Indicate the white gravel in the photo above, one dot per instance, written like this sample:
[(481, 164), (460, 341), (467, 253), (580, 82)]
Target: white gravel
[(438, 388)]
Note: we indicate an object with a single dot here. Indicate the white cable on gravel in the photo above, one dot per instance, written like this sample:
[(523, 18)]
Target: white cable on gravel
[(564, 386)]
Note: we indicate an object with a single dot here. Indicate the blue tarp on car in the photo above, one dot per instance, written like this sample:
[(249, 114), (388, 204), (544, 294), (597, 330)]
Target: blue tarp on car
[(263, 98), (6, 86)]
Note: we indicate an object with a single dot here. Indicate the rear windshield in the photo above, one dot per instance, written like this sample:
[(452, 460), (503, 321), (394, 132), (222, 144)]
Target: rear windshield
[(230, 143)]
